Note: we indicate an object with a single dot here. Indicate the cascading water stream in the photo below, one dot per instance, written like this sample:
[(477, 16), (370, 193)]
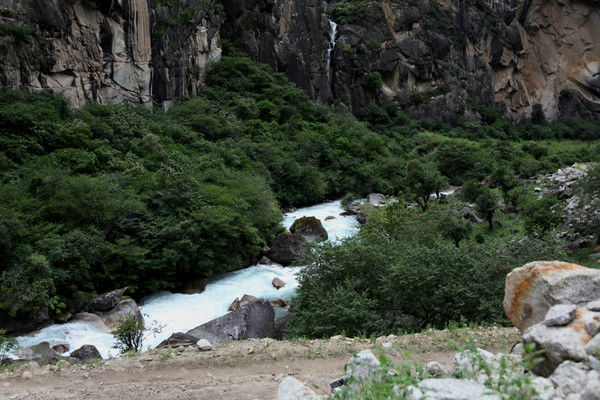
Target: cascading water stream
[(166, 313), (332, 37)]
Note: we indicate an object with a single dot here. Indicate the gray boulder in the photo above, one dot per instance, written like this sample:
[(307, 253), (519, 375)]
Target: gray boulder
[(570, 377), (435, 369), (362, 366), (123, 309), (532, 289), (292, 389), (376, 199), (204, 345), (469, 213), (287, 248), (106, 301), (41, 352), (559, 344), (310, 228), (254, 320), (560, 314), (91, 319), (179, 339), (281, 325), (87, 352), (450, 389)]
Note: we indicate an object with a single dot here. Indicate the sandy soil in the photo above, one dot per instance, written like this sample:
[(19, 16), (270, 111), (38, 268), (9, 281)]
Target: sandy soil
[(250, 369)]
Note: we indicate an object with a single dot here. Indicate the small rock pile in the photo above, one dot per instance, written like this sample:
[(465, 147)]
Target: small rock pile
[(556, 305)]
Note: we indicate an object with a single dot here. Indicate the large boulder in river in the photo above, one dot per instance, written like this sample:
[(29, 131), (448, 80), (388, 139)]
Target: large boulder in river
[(532, 289), (106, 301), (287, 248), (92, 319), (87, 352), (254, 320), (310, 228), (123, 309)]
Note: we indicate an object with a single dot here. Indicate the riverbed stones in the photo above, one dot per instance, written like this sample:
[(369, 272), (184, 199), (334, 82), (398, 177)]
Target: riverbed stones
[(87, 352), (310, 228), (532, 289), (277, 283), (106, 301), (287, 248), (254, 320), (292, 389)]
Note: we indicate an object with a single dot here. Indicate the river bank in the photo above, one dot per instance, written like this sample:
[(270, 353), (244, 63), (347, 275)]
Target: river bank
[(249, 369), (166, 313)]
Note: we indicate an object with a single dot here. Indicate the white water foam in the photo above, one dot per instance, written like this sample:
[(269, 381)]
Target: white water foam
[(166, 313)]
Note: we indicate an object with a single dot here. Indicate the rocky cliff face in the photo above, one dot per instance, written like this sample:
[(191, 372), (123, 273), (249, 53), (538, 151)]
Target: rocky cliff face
[(435, 58), (108, 51)]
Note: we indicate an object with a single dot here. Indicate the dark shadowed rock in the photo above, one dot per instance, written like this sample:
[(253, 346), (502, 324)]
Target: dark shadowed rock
[(87, 352), (23, 323), (287, 248), (310, 228), (281, 325), (254, 320), (124, 308), (106, 301), (179, 339)]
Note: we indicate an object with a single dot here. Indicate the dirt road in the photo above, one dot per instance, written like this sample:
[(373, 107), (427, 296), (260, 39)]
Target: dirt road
[(245, 370)]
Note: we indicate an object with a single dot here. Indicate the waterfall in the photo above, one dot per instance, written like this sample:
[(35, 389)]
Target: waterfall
[(332, 33)]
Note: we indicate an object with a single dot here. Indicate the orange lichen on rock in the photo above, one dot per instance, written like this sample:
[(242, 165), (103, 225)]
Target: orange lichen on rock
[(532, 289)]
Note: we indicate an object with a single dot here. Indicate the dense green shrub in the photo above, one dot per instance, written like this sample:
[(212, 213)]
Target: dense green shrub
[(400, 274), (129, 334)]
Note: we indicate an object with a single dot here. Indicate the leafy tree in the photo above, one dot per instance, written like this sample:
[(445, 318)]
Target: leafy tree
[(455, 228), (504, 178), (7, 344), (542, 215), (422, 180), (129, 334), (406, 277), (28, 287), (487, 205), (588, 189), (471, 190)]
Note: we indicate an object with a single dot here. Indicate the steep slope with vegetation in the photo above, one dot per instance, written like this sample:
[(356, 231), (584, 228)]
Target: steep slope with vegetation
[(116, 195)]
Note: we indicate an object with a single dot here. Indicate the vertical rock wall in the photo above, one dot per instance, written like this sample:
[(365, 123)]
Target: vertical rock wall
[(106, 51)]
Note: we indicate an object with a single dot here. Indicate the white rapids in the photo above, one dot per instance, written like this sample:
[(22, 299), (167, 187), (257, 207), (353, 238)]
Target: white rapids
[(166, 313)]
